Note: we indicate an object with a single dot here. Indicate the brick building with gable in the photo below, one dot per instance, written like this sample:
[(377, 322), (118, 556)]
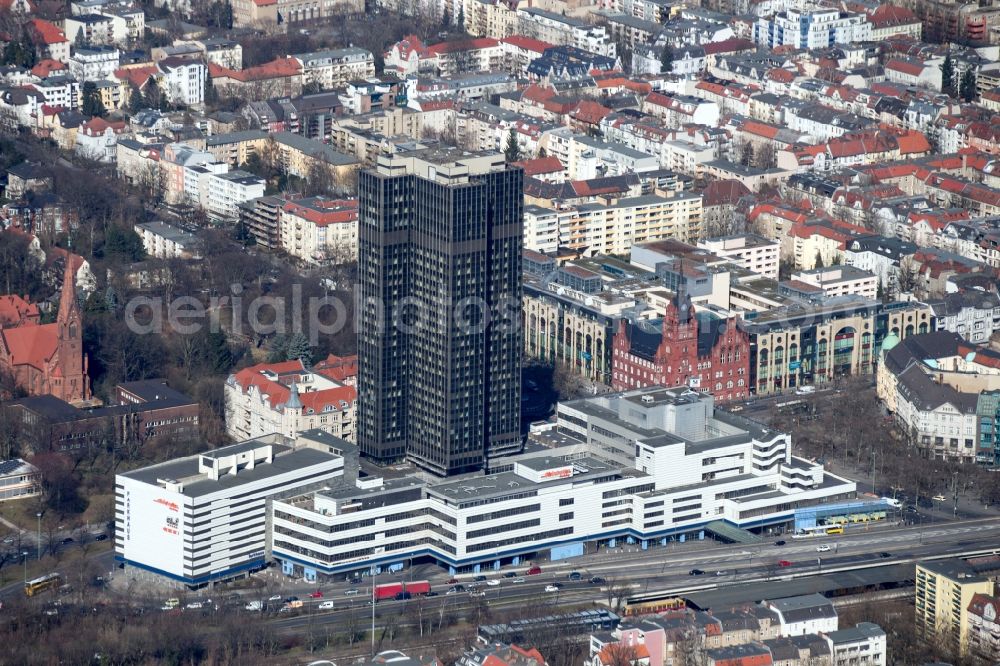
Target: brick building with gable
[(46, 359), (704, 352)]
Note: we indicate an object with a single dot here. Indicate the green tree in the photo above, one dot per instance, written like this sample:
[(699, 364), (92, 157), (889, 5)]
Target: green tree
[(312, 88), (135, 101), (123, 244), (299, 348), (512, 151), (967, 85), (110, 299), (153, 98), (278, 348), (92, 104), (948, 76), (819, 259), (79, 41), (217, 357), (19, 52), (666, 59)]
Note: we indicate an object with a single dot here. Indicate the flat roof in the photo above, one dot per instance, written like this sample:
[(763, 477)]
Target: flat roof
[(737, 595), (285, 460)]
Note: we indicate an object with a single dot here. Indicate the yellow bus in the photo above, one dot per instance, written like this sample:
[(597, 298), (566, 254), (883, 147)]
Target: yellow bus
[(835, 529), (42, 583)]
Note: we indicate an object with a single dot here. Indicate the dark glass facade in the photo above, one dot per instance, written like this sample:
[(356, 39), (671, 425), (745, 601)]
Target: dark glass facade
[(439, 343)]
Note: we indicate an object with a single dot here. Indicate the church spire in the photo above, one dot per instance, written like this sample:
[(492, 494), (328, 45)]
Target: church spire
[(68, 308)]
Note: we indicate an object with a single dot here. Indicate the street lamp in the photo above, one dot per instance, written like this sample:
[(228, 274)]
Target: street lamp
[(24, 559), (39, 541)]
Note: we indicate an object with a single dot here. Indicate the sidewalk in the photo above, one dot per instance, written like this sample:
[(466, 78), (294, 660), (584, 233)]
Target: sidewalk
[(4, 521)]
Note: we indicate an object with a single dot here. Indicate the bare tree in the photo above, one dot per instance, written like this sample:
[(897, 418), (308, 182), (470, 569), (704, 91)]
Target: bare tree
[(617, 594)]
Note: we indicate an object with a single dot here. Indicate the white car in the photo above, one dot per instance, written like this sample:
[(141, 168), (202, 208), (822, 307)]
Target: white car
[(519, 579), (823, 548), (326, 605), (493, 583), (551, 588), (194, 605), (274, 597)]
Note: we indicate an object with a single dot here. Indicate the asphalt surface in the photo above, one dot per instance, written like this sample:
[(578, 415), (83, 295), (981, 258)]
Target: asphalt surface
[(665, 569)]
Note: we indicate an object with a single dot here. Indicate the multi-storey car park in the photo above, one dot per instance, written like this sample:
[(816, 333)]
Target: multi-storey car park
[(643, 466)]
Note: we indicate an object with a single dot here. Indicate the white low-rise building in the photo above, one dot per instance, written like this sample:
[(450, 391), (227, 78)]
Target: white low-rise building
[(812, 28), (333, 68), (750, 251), (863, 645), (226, 191), (203, 519), (973, 314), (318, 229), (287, 398), (97, 139), (165, 241), (808, 614), (183, 80), (93, 63), (881, 255), (840, 281), (643, 466), (19, 480)]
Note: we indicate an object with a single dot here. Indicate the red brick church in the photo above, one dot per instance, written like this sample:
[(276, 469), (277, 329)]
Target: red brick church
[(45, 359), (705, 352)]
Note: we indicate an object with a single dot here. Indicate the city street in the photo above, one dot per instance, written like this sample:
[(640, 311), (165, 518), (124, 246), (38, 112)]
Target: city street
[(667, 570)]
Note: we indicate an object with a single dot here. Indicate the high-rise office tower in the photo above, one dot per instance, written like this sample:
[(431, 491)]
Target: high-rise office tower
[(439, 341)]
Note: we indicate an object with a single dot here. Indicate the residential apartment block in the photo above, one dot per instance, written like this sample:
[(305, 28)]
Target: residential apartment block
[(944, 591), (287, 398)]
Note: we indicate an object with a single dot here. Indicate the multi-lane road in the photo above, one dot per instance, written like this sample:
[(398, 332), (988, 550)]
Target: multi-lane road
[(627, 571), (636, 572)]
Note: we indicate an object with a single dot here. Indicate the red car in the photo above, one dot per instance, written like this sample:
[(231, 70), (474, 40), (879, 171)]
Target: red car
[(534, 571), (784, 563), (316, 595)]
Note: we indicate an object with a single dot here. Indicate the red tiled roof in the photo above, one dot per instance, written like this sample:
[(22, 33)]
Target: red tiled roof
[(541, 165), (589, 112), (462, 45), (32, 345), (14, 310), (913, 142), (780, 75), (45, 67), (278, 394), (728, 46), (909, 67), (436, 104), (49, 33), (338, 368), (331, 211), (725, 191), (137, 76), (886, 16), (96, 126), (527, 43), (760, 129), (265, 3), (276, 69)]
